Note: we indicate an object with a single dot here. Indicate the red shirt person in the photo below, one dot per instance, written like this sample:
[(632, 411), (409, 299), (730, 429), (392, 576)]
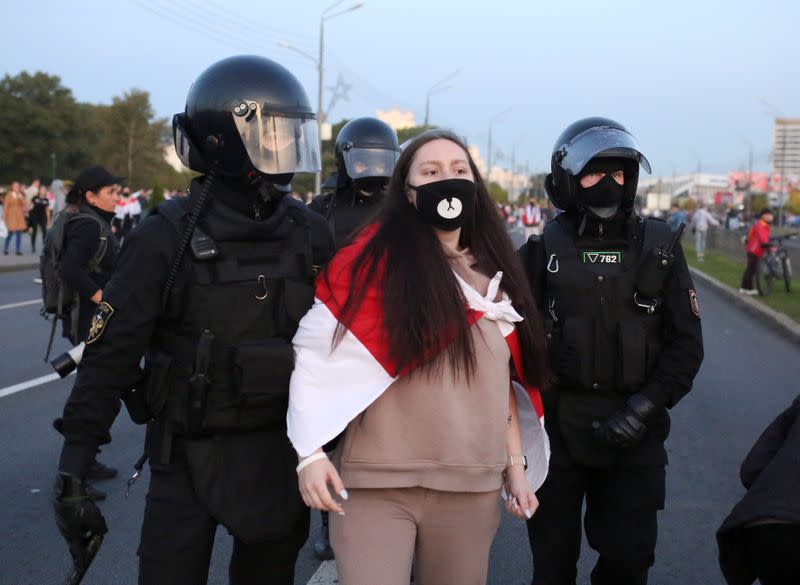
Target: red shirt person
[(757, 243)]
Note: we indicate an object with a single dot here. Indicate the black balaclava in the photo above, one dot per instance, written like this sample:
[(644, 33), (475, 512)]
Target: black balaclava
[(604, 199)]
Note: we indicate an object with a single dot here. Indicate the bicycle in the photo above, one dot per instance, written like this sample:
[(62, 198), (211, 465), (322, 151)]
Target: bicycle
[(774, 265)]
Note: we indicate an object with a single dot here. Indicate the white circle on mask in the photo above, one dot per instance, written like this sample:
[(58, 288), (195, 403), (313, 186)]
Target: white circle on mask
[(449, 208)]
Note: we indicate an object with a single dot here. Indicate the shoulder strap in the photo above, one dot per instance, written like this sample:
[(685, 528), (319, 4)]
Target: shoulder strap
[(657, 234), (105, 231), (175, 212)]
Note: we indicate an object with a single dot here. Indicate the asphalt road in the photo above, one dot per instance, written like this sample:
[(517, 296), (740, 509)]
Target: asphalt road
[(749, 375)]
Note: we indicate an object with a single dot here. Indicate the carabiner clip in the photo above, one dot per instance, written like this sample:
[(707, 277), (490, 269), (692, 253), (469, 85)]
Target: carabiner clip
[(550, 267), (262, 280), (551, 308), (649, 307)]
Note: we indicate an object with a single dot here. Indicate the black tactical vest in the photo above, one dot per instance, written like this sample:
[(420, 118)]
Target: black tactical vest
[(225, 356), (600, 340)]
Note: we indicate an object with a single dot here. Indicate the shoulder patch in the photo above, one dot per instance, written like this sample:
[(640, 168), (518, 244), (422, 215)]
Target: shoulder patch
[(102, 314), (693, 303)]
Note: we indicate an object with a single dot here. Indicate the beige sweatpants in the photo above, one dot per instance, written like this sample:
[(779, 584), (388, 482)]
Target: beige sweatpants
[(383, 530)]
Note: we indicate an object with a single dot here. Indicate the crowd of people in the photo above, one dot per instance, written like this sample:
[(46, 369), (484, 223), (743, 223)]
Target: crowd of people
[(30, 209)]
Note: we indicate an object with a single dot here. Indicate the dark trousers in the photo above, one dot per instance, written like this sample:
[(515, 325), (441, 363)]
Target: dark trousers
[(178, 537), (37, 225), (620, 523), (750, 271), (772, 551)]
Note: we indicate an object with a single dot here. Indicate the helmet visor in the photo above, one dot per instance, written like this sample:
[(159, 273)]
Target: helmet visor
[(369, 162), (601, 141), (279, 143)]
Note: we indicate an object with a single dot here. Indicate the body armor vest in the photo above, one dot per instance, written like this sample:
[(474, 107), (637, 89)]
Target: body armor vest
[(600, 339), (223, 361)]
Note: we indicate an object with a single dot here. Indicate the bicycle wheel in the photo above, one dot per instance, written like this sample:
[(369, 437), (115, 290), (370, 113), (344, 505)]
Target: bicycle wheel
[(786, 263), (765, 278)]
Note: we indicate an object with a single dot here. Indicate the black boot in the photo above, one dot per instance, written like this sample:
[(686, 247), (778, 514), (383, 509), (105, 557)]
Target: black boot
[(322, 546), (100, 471), (95, 494)]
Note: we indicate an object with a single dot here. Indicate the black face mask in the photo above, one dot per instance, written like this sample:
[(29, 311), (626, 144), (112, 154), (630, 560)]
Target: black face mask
[(446, 205), (603, 194), (371, 185)]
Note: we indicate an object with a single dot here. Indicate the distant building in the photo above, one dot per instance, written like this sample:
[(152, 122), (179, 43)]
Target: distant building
[(702, 187), (786, 147), (396, 118)]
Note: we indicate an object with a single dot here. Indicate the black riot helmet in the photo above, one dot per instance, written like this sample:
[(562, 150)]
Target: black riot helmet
[(248, 115), (582, 141), (366, 152)]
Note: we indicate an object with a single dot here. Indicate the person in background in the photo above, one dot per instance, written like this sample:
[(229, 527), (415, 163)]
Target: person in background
[(760, 539), (39, 215), (532, 217), (14, 216), (677, 216), (700, 222), (757, 243)]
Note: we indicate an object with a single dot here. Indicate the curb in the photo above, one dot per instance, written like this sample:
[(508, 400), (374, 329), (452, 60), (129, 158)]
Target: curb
[(17, 267), (777, 321)]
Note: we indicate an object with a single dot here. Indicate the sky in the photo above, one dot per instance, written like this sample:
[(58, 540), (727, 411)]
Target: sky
[(698, 82)]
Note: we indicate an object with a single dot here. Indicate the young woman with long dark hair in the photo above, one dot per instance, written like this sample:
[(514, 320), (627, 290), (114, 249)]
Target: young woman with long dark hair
[(417, 330)]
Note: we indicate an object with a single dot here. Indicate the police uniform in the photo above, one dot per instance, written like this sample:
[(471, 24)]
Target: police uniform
[(366, 150), (623, 327), (217, 348)]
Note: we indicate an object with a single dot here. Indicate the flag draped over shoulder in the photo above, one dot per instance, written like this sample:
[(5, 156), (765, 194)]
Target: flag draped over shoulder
[(331, 386)]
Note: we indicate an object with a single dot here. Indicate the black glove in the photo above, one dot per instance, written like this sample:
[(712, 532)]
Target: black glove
[(77, 517), (628, 426)]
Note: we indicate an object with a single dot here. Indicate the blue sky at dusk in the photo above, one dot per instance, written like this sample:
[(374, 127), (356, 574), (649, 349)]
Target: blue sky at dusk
[(696, 82)]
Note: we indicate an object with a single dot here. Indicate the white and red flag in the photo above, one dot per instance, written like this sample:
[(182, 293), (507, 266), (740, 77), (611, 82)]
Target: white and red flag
[(332, 386)]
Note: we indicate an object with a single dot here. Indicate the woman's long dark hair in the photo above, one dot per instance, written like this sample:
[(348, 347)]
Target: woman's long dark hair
[(422, 301)]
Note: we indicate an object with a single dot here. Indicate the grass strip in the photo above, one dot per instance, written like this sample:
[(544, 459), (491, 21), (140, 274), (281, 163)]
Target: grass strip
[(730, 272)]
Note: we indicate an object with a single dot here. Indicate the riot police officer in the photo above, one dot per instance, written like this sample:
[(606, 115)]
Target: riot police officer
[(210, 289), (366, 150), (623, 327)]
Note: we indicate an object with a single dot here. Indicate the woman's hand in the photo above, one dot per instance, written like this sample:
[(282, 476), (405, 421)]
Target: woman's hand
[(97, 297), (316, 481), (522, 501)]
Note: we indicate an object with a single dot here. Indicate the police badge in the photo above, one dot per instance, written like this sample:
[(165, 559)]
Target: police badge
[(693, 303), (99, 322)]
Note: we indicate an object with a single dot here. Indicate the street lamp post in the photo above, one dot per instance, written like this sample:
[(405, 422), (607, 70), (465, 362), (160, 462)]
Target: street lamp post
[(492, 120), (438, 87), (320, 114)]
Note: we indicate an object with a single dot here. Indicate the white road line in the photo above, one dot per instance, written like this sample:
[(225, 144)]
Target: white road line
[(20, 304), (325, 575), (29, 384)]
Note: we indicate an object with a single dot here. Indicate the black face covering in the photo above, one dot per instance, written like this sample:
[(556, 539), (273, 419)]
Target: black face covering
[(605, 193), (371, 185), (446, 205), (604, 198)]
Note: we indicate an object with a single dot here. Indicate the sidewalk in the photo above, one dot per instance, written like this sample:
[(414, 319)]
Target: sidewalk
[(778, 321), (13, 262)]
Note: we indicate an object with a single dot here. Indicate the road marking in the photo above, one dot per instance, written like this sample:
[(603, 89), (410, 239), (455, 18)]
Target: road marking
[(29, 384), (325, 575), (20, 304)]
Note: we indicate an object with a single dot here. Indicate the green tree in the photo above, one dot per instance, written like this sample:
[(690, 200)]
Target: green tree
[(134, 142), (498, 193), (42, 124)]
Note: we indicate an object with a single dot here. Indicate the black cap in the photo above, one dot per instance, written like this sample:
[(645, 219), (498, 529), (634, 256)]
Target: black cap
[(94, 178), (764, 211)]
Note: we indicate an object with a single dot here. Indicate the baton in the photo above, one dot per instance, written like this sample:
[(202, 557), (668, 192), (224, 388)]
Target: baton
[(77, 574)]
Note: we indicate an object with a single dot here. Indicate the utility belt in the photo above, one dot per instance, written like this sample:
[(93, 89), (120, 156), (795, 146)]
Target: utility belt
[(252, 394)]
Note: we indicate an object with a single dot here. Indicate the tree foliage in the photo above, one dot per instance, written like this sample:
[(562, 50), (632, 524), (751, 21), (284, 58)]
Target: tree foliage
[(44, 129)]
